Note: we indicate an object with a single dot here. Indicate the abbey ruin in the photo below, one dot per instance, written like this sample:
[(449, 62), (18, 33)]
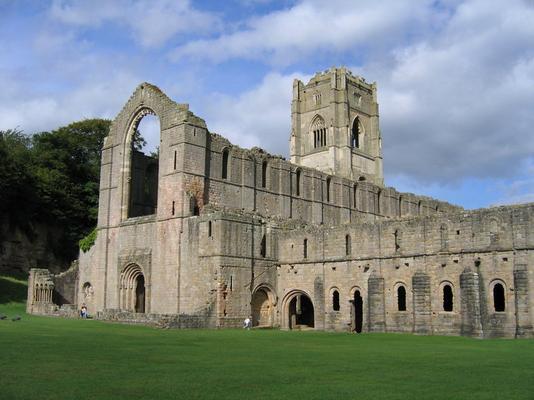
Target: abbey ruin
[(208, 233)]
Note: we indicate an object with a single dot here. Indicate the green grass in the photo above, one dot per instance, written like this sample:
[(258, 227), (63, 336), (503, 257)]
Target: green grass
[(51, 358)]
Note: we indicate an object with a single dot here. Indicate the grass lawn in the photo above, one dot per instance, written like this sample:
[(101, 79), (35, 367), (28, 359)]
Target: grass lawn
[(50, 358)]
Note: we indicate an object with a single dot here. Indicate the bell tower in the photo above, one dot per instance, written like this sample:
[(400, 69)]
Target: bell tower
[(334, 126)]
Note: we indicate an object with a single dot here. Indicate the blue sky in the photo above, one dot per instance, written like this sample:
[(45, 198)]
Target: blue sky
[(455, 78)]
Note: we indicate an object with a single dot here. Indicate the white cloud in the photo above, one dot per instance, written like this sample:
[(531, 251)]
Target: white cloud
[(315, 26), (152, 22), (460, 104)]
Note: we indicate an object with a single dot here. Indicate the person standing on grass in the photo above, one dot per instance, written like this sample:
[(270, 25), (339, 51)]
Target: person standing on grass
[(247, 323), (83, 312)]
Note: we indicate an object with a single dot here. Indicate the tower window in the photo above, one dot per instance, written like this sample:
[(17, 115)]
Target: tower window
[(298, 182), (348, 245), (225, 156), (355, 197), (319, 132), (355, 133), (305, 248)]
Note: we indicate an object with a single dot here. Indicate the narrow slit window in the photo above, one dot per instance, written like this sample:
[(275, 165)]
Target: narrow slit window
[(305, 250), (264, 174), (225, 156), (298, 182), (348, 245), (210, 232), (263, 247), (328, 186)]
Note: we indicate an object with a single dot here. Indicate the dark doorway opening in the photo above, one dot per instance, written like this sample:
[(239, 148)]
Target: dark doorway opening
[(358, 311), (140, 294), (301, 314)]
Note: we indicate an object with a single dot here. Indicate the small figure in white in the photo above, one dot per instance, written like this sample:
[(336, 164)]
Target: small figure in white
[(247, 323)]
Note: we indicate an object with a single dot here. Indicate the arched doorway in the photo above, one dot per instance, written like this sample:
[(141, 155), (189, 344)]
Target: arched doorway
[(300, 312), (140, 294), (262, 307), (132, 296), (357, 304)]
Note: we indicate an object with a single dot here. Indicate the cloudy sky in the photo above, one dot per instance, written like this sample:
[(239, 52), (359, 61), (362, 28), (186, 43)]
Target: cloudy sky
[(455, 78)]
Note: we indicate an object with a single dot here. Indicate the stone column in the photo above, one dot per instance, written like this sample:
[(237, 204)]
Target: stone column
[(522, 315), (422, 311), (470, 304), (377, 310)]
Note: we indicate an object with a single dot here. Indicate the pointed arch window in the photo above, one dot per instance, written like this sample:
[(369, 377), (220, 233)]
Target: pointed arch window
[(319, 132)]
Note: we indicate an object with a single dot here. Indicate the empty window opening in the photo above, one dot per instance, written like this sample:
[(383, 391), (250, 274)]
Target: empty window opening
[(144, 165), (319, 132), (357, 304), (499, 303), (231, 282), (298, 182), (301, 313), (225, 157), (263, 246), (401, 298), (335, 300), (173, 208), (264, 174), (355, 197), (328, 188), (174, 164), (348, 245), (305, 250), (355, 133), (447, 298), (209, 229)]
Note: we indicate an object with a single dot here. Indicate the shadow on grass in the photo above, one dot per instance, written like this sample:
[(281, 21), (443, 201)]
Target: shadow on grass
[(12, 290)]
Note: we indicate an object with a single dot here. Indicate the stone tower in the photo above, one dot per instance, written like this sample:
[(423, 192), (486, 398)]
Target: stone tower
[(334, 126)]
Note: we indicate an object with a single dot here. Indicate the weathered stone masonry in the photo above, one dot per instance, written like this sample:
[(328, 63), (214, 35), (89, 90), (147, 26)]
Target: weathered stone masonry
[(209, 233)]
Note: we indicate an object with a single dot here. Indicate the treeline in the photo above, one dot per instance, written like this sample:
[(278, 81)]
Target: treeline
[(52, 178)]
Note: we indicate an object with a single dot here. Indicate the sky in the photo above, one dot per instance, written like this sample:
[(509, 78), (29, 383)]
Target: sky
[(455, 78)]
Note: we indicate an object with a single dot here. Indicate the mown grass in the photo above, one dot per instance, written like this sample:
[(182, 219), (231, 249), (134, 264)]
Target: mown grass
[(51, 358)]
